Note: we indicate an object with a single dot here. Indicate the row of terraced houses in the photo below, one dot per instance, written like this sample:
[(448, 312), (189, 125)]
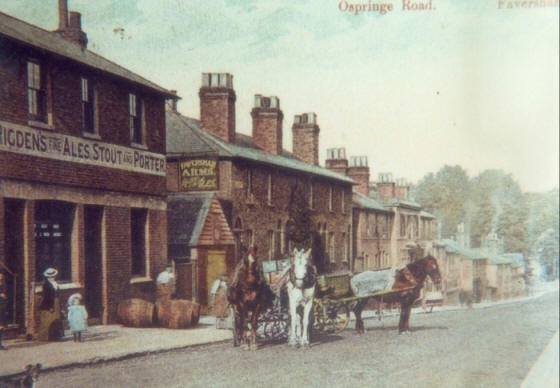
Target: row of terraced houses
[(103, 179)]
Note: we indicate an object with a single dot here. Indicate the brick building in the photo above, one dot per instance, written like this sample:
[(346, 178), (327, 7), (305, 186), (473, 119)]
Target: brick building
[(82, 171), (254, 179), (388, 227)]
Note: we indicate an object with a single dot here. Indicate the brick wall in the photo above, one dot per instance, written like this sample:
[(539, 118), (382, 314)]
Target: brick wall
[(117, 246), (306, 143), (63, 90), (217, 112), (36, 169), (261, 217), (267, 129)]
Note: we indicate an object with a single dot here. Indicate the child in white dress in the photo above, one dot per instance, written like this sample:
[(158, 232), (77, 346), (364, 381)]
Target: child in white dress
[(77, 316)]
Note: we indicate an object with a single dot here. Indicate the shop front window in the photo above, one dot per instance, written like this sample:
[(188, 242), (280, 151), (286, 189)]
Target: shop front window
[(138, 219), (53, 232)]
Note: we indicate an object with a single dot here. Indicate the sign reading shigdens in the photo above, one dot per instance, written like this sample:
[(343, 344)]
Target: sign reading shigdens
[(29, 141)]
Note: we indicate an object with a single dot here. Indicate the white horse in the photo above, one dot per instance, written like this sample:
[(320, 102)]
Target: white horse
[(301, 288)]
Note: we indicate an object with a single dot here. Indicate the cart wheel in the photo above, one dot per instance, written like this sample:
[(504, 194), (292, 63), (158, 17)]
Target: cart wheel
[(331, 317)]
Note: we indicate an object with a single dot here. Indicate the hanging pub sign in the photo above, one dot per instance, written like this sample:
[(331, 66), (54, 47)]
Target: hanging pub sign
[(198, 174)]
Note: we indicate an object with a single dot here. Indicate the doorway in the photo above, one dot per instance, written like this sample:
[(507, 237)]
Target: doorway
[(13, 266), (93, 216), (216, 268)]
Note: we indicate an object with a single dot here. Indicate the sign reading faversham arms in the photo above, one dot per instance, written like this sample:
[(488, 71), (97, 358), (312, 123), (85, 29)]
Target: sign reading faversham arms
[(52, 145), (198, 174)]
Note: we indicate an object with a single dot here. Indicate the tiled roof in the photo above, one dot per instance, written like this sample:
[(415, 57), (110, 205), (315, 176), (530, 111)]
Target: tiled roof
[(473, 254), (481, 254), (185, 137), (404, 203), (187, 213), (368, 203), (34, 36)]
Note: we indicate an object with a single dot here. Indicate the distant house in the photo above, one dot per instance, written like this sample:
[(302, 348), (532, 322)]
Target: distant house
[(389, 228), (489, 275)]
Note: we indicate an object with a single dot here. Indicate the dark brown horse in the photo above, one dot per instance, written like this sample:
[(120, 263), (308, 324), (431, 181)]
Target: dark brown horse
[(249, 294), (409, 279)]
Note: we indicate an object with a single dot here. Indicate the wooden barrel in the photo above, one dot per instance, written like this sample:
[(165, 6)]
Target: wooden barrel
[(177, 313), (136, 313), (164, 291)]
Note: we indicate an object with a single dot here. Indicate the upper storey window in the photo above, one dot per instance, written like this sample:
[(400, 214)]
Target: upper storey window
[(135, 119), (88, 125), (36, 100)]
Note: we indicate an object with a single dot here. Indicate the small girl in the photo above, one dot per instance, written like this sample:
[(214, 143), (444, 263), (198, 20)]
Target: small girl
[(77, 316)]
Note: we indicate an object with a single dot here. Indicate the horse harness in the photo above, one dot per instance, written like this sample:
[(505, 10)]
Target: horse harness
[(309, 279)]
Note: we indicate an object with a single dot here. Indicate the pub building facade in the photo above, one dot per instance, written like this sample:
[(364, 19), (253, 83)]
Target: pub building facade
[(253, 179), (82, 172)]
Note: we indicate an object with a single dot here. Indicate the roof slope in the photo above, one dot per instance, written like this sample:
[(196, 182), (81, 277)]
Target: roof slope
[(185, 137), (368, 203), (187, 213), (46, 40)]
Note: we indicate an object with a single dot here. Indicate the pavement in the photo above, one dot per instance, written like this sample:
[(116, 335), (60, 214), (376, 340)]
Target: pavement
[(106, 343), (116, 342)]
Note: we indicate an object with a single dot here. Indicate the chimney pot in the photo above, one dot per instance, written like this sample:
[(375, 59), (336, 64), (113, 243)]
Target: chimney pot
[(75, 20), (359, 172), (336, 160)]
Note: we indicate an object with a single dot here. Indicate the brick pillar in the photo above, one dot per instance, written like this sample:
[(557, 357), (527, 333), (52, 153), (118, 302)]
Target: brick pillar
[(117, 248), (78, 246), (157, 241), (31, 316)]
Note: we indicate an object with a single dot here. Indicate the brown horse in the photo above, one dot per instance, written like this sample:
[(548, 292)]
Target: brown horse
[(249, 294), (411, 278)]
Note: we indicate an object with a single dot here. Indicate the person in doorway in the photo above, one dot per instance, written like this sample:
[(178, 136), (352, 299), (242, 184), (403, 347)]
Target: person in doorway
[(3, 302), (50, 325), (77, 316)]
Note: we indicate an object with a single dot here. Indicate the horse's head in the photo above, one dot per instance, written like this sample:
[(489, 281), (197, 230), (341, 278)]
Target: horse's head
[(300, 261), (432, 269)]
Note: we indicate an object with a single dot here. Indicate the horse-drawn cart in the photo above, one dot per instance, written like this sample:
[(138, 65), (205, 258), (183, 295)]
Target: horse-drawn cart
[(334, 299), (335, 296)]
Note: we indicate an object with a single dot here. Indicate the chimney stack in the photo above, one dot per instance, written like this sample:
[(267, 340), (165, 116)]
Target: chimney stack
[(402, 189), (359, 172), (336, 160), (217, 105), (305, 135), (267, 124), (70, 28), (386, 186), (62, 15)]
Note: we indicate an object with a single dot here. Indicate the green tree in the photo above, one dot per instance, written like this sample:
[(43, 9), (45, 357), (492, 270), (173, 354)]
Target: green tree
[(496, 204), (301, 227), (445, 195)]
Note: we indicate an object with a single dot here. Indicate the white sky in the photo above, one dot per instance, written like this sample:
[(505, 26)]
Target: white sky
[(467, 83)]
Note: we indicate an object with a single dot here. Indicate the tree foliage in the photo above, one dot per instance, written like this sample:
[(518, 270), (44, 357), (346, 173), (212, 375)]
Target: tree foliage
[(301, 227), (490, 202)]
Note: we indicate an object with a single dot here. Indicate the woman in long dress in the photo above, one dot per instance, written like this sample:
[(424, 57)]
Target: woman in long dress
[(50, 324)]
